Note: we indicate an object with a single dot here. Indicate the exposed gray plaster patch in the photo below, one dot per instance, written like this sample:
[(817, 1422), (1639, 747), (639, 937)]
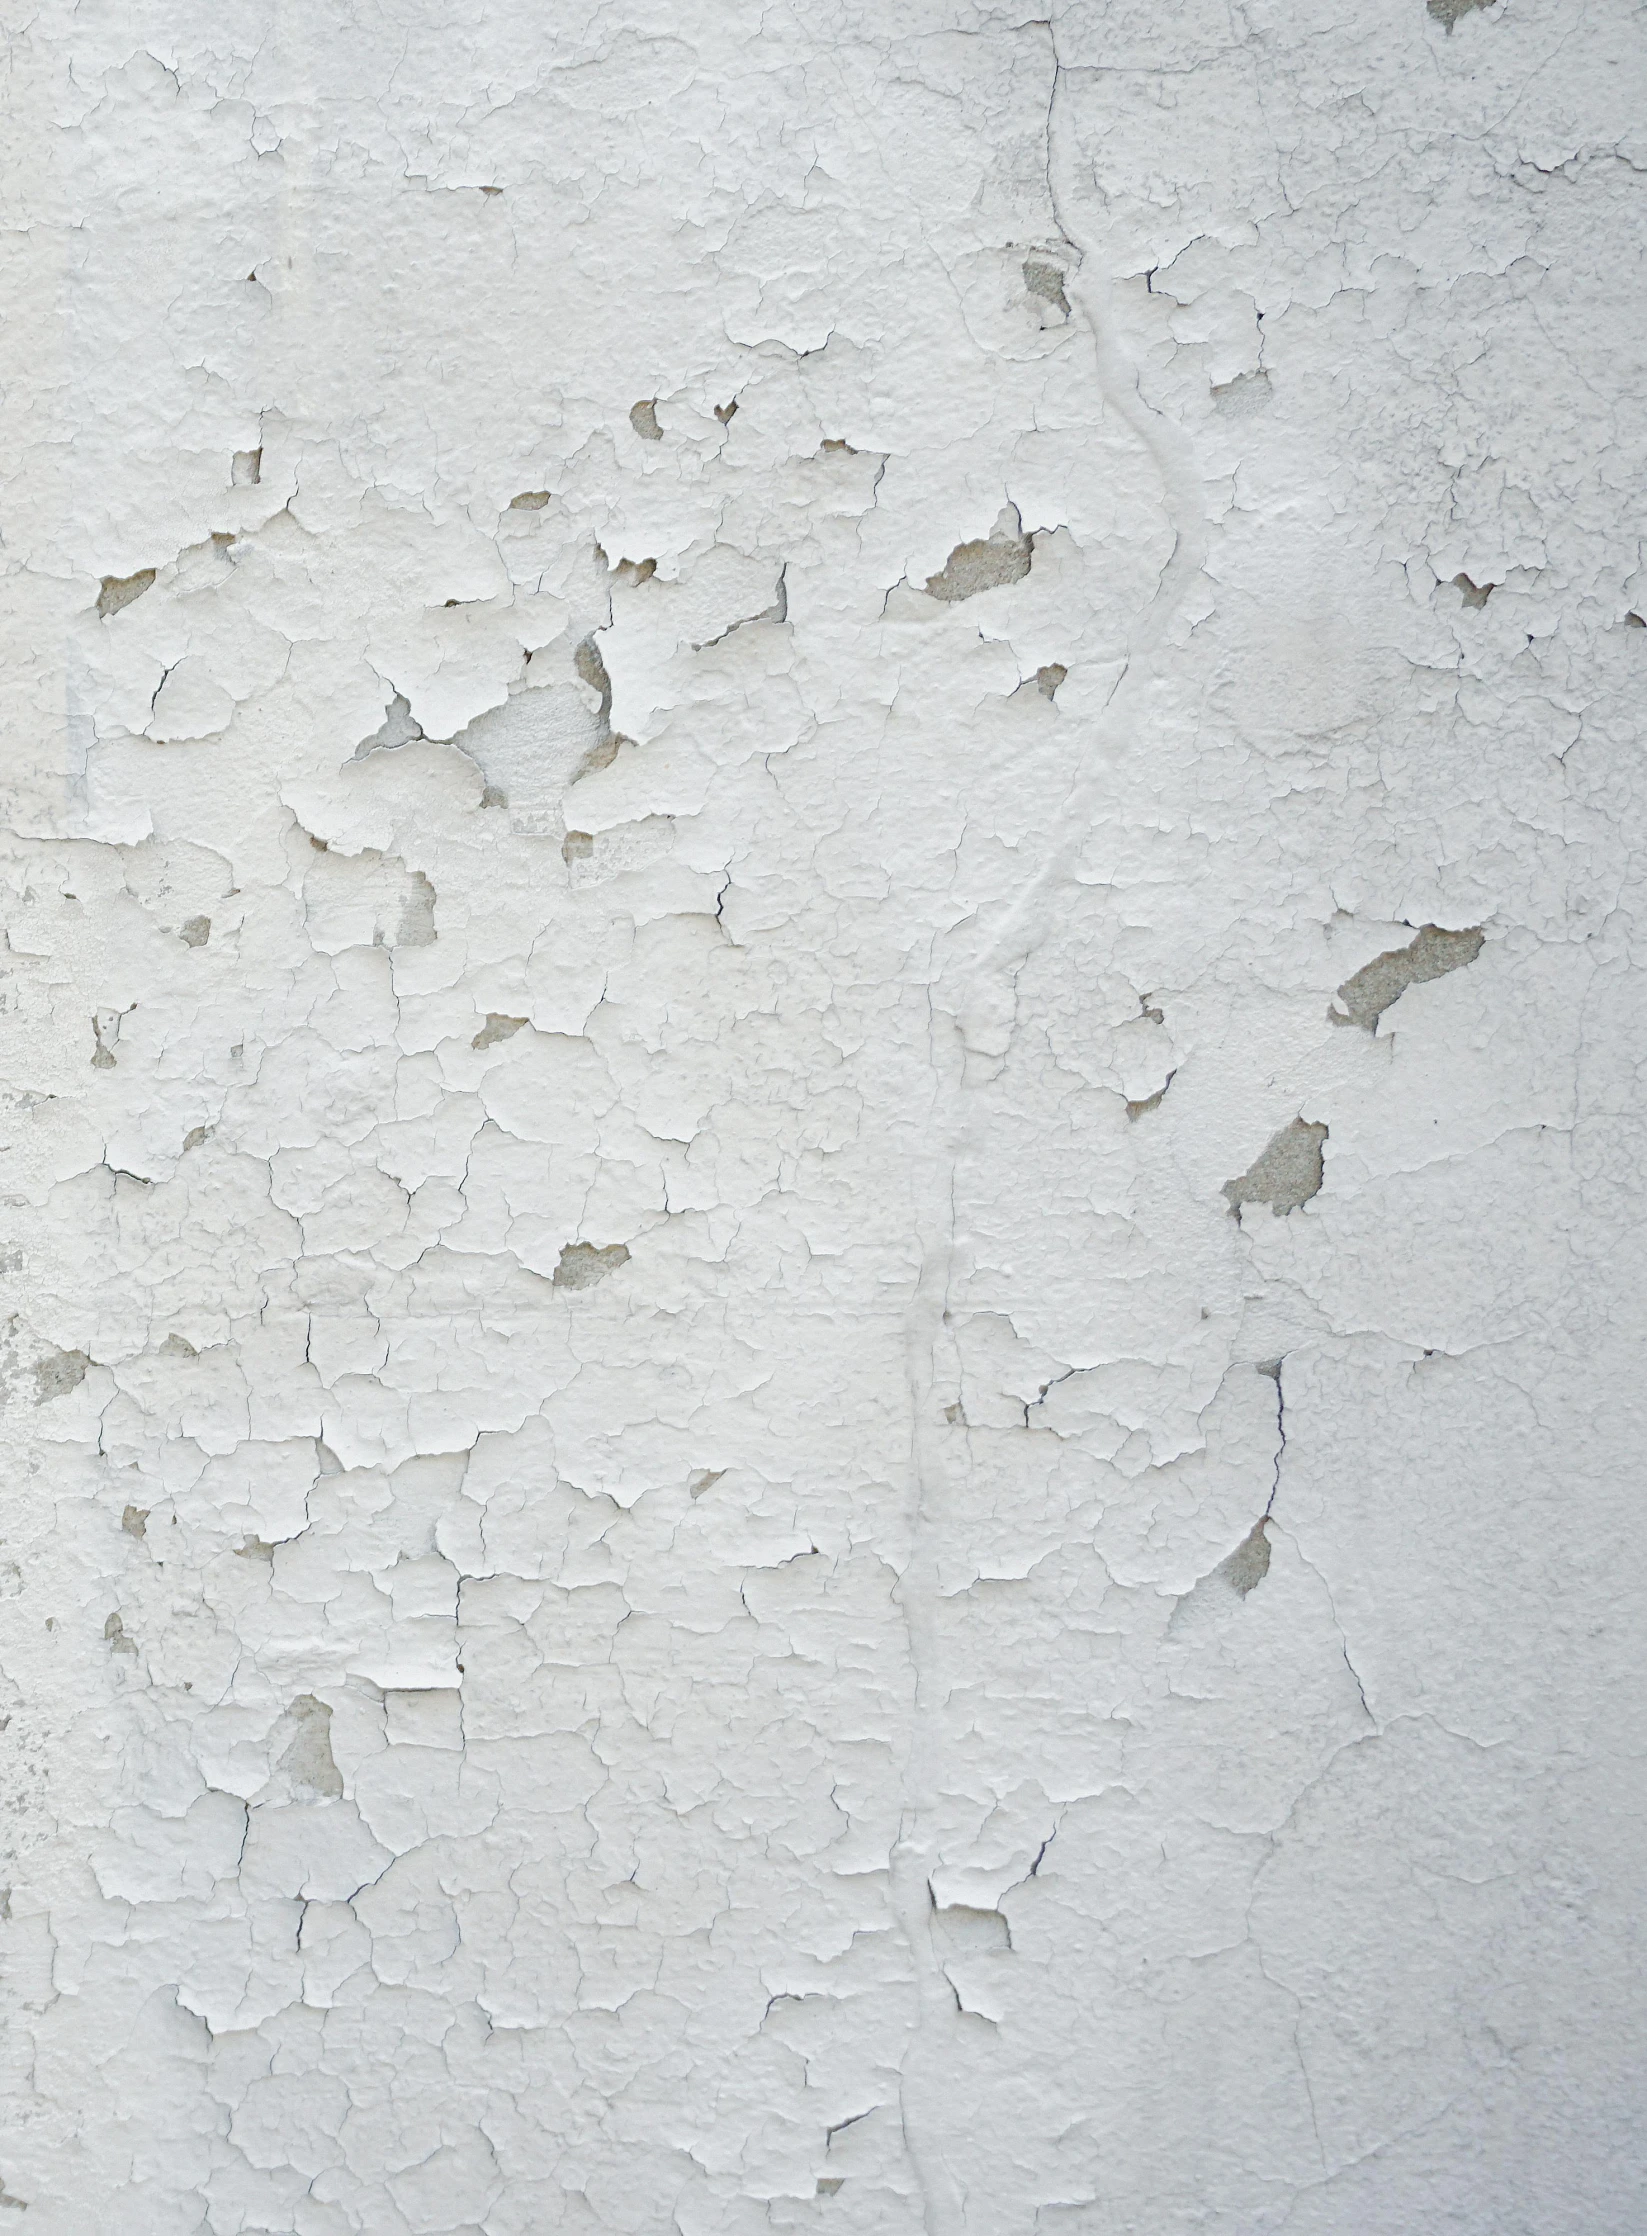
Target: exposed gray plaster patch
[(582, 1265), (987, 564), (1288, 1173), (59, 1373), (307, 1759), (1431, 953), (396, 729), (120, 591), (1047, 282)]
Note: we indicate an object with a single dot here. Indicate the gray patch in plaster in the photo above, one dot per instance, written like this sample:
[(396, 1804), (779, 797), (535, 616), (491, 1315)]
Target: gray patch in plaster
[(1431, 953), (398, 728), (1238, 398), (1450, 12), (59, 1373), (135, 1521), (1288, 1173), (1473, 593), (582, 1265), (1047, 282), (497, 1027), (122, 590), (1237, 1575), (307, 1759), (1151, 1102), (987, 564), (643, 417), (417, 914), (196, 932)]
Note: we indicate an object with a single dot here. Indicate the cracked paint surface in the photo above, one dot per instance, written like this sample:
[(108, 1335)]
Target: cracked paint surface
[(752, 1484)]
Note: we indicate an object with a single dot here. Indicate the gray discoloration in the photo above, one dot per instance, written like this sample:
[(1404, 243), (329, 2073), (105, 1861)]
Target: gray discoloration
[(398, 728), (1046, 281), (1147, 1103), (59, 1373), (1288, 1173), (1449, 12), (196, 932), (1245, 1569), (417, 914), (1237, 1576), (119, 591), (643, 417), (1431, 953), (307, 1758), (988, 564), (582, 1265), (496, 1028)]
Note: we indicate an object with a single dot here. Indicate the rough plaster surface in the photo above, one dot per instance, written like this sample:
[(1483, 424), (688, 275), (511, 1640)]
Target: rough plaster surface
[(753, 1483)]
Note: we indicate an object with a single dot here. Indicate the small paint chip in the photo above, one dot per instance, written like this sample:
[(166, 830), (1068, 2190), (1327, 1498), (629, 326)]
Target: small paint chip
[(1473, 593), (196, 931), (497, 1027), (643, 417), (135, 1521), (529, 500), (247, 470)]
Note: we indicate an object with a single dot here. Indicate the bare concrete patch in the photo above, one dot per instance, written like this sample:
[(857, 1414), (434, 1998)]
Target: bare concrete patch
[(1432, 953), (1288, 1174)]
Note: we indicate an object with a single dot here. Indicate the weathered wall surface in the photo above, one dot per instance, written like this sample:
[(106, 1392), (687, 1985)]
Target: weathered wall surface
[(822, 1147)]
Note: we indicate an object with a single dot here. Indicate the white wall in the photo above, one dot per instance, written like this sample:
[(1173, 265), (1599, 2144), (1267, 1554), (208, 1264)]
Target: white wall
[(785, 1454)]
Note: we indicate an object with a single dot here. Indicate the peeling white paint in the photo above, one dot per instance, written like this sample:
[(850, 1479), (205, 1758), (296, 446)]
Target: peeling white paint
[(752, 1485)]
